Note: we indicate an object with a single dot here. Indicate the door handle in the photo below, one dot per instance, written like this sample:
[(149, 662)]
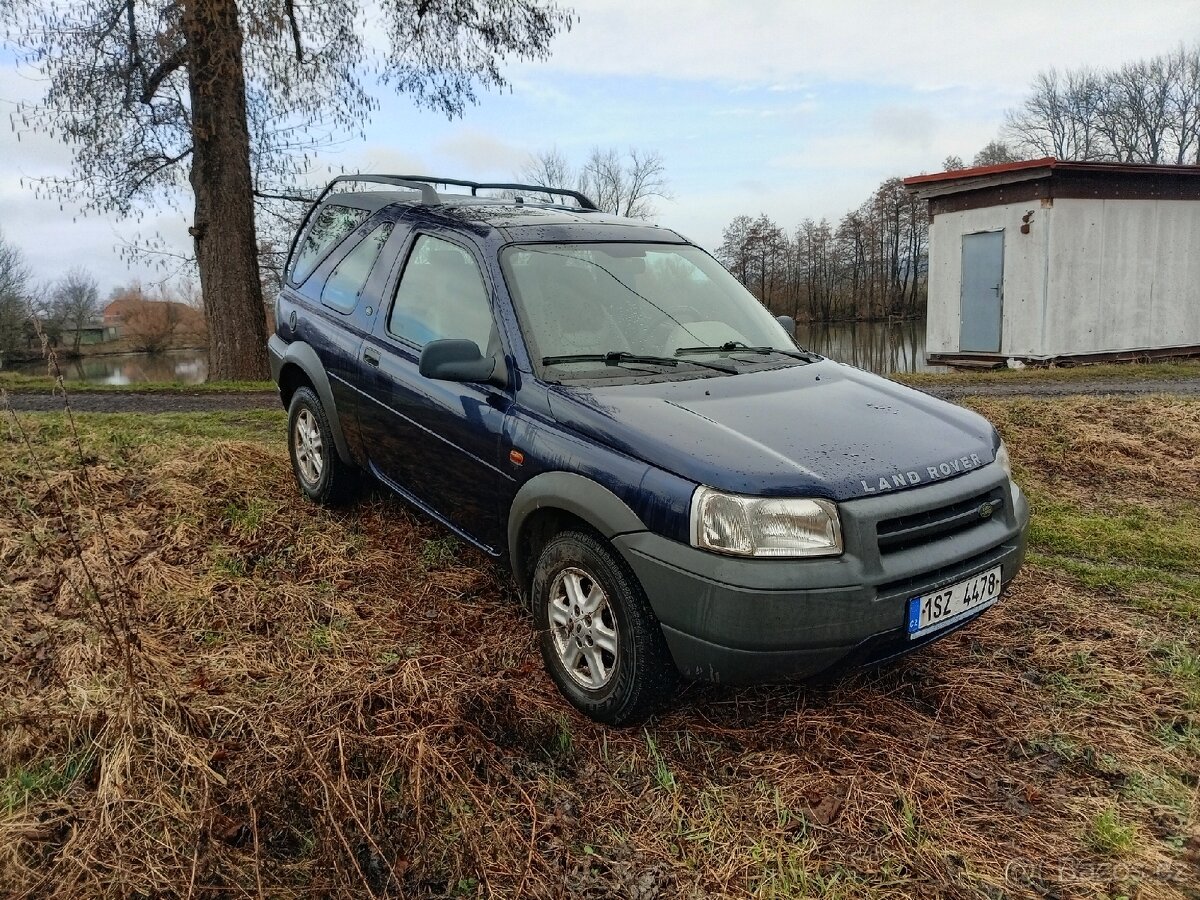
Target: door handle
[(371, 356)]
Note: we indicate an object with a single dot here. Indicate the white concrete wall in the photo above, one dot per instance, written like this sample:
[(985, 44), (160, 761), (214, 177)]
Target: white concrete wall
[(1024, 275), (1124, 275), (1091, 276)]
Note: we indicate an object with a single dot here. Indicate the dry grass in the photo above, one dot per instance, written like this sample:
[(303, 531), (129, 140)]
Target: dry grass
[(1167, 370), (256, 697)]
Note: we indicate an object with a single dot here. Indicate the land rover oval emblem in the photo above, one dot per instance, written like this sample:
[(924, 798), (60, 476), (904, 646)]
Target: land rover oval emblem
[(985, 511)]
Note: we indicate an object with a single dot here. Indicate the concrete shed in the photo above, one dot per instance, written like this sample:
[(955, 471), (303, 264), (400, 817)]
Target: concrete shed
[(1046, 260)]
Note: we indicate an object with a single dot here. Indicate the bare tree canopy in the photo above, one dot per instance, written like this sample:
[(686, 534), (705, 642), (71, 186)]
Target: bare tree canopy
[(994, 153), (75, 301), (624, 185), (871, 266), (1147, 112), (230, 96), (15, 278)]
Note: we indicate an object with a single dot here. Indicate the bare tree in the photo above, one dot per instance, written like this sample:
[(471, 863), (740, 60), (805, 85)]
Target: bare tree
[(550, 168), (624, 185), (15, 278), (952, 164), (1183, 126), (873, 265), (1147, 111), (1059, 117), (75, 299), (735, 252), (994, 153), (226, 97)]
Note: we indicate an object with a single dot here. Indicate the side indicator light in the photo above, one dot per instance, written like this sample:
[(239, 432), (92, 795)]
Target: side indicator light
[(516, 457)]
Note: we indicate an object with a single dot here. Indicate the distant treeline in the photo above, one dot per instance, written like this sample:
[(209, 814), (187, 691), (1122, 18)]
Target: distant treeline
[(870, 266)]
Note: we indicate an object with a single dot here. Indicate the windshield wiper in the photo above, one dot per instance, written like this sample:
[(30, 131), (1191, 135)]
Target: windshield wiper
[(619, 357), (739, 347)]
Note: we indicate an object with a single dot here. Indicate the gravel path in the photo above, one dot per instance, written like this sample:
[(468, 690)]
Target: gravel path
[(148, 402), (201, 401)]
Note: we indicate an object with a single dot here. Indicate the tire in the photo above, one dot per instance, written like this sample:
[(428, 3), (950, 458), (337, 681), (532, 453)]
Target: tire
[(322, 476), (633, 671)]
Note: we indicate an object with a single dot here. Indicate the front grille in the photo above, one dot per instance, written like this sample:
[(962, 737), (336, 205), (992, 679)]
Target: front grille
[(918, 529), (935, 579)]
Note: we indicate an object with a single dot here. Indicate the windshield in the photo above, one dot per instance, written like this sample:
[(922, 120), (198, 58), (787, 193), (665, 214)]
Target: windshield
[(640, 300)]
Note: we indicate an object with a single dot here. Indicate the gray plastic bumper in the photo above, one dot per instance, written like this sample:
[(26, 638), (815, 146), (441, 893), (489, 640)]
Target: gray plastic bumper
[(748, 620)]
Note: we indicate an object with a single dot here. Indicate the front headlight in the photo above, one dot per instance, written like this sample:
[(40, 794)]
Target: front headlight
[(764, 526), (1003, 461)]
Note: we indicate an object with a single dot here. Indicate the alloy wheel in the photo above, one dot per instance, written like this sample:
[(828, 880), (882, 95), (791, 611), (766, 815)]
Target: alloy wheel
[(583, 627), (310, 451)]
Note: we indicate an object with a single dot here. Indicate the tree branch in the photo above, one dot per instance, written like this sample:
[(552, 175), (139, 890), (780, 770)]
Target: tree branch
[(166, 162), (290, 6), (171, 64), (294, 198)]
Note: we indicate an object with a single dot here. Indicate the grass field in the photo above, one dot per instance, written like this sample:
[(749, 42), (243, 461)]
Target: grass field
[(209, 687)]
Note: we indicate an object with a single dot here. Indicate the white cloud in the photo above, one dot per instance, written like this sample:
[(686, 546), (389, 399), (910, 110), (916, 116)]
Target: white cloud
[(482, 153), (922, 43)]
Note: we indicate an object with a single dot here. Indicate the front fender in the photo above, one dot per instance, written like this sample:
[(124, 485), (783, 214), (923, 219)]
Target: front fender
[(581, 497)]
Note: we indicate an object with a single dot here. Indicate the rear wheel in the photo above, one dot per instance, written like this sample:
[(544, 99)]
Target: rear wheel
[(320, 472), (601, 642)]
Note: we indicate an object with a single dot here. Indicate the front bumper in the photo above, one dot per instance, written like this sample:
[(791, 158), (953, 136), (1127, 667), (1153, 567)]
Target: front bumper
[(740, 621)]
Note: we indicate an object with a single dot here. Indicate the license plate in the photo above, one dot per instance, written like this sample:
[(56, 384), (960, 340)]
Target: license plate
[(940, 608)]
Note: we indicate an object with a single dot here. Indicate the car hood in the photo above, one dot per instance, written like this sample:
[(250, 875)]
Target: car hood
[(823, 430)]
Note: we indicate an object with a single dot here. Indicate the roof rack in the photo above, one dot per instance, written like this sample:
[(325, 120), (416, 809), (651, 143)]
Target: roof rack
[(424, 184)]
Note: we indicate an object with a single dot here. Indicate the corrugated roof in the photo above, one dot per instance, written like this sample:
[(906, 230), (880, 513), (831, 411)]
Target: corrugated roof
[(1051, 164)]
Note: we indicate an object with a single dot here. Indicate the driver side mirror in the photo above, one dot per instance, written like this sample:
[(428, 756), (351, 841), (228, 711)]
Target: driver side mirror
[(788, 323), (455, 360)]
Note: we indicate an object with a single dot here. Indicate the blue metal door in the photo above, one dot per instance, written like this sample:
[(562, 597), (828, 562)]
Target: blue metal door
[(982, 292)]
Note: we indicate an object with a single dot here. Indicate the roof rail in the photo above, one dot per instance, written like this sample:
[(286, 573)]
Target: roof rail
[(429, 197), (583, 200)]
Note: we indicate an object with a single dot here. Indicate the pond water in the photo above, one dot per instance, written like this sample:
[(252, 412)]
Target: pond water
[(187, 366), (882, 347)]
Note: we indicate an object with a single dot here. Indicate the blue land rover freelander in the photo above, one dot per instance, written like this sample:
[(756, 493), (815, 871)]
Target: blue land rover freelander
[(677, 487)]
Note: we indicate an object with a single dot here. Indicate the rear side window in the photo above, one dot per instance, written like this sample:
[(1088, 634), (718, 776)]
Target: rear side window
[(328, 228), (441, 295), (345, 283)]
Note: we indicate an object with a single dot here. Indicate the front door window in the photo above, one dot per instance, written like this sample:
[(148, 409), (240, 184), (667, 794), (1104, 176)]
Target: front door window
[(441, 295)]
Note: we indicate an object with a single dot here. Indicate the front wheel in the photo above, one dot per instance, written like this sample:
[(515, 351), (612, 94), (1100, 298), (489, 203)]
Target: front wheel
[(601, 642)]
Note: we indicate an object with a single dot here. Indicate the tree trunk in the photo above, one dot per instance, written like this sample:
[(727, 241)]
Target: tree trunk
[(226, 249)]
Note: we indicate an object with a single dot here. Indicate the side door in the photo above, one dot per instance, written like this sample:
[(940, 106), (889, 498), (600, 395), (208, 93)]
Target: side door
[(982, 302), (437, 442)]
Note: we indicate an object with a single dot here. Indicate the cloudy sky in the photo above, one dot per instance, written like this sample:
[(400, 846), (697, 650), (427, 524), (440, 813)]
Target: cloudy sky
[(795, 109)]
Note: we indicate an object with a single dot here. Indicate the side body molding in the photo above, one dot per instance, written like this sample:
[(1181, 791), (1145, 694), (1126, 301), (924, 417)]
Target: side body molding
[(580, 496), (304, 357)]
